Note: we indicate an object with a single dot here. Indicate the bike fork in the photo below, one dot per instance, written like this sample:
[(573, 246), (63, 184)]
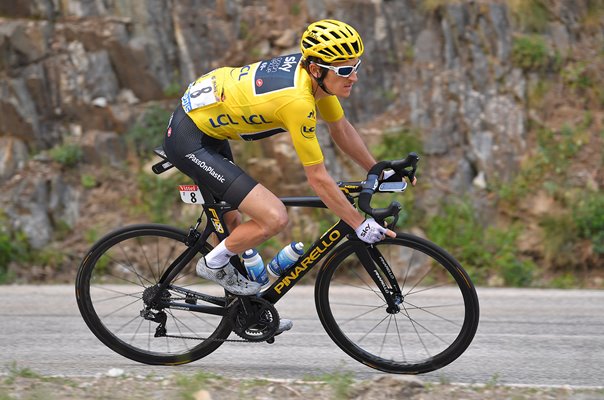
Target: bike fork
[(377, 267)]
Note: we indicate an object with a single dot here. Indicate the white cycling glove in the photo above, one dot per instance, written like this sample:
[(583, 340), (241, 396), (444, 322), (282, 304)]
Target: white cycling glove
[(370, 231)]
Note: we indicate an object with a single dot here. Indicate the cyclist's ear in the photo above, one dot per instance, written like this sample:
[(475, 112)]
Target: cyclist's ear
[(314, 71)]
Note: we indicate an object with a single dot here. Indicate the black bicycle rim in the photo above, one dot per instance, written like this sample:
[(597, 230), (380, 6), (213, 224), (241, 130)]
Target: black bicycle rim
[(109, 288), (438, 314)]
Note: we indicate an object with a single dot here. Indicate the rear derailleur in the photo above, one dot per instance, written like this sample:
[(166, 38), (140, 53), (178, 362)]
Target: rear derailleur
[(149, 314)]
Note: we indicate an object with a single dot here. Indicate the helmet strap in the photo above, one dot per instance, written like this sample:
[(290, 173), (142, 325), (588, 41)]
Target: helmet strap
[(320, 80)]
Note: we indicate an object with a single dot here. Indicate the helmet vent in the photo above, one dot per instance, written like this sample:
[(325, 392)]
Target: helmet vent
[(331, 41)]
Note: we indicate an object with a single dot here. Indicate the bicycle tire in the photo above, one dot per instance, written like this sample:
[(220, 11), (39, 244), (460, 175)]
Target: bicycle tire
[(109, 287), (438, 315)]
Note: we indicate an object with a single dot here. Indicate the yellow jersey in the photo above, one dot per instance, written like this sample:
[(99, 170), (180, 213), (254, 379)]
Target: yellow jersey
[(260, 100)]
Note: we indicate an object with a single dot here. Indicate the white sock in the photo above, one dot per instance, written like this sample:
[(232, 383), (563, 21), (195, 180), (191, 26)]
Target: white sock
[(219, 256)]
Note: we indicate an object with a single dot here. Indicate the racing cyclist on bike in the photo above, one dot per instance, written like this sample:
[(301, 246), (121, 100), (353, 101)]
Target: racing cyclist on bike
[(257, 101)]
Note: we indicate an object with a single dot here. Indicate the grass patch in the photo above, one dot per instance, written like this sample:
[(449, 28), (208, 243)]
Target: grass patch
[(147, 132), (68, 154), (588, 216), (530, 15), (88, 181), (14, 247), (340, 382), (567, 280), (190, 384), (396, 144), (431, 6), (481, 250), (530, 53), (549, 164), (157, 197)]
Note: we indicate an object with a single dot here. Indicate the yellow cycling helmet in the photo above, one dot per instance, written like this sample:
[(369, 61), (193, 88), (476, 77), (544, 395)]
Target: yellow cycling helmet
[(331, 41)]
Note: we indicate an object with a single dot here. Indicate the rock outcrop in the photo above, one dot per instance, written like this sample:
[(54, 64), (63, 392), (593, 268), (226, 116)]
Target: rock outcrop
[(82, 71)]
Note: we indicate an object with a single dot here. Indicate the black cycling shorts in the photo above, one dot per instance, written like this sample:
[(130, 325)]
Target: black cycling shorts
[(206, 160)]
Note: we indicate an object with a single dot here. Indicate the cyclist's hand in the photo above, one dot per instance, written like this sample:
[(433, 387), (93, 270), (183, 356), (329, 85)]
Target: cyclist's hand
[(370, 231)]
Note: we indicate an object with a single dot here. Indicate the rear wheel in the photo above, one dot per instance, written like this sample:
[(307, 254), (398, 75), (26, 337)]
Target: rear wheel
[(123, 268), (438, 311)]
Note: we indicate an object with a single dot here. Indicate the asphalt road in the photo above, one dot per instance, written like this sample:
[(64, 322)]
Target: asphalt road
[(525, 337)]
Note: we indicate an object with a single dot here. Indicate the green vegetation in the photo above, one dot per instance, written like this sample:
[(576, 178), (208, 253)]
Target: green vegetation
[(157, 197), (567, 280), (576, 76), (530, 15), (88, 181), (340, 382), (537, 92), (549, 164), (530, 53), (480, 250), (15, 371), (189, 385), (431, 6), (559, 239), (13, 247), (396, 144), (295, 9), (147, 133), (588, 216), (68, 154), (174, 89)]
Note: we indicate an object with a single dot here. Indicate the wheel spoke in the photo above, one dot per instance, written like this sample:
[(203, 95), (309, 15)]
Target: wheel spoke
[(422, 333), (110, 286), (362, 314)]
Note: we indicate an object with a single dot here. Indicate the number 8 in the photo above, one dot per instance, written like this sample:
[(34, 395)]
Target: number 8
[(200, 91)]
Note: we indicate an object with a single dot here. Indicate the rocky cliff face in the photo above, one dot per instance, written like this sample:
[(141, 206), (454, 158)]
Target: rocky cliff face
[(82, 70)]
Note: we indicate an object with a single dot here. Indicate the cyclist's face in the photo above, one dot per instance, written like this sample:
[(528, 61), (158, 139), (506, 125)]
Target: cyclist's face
[(339, 85)]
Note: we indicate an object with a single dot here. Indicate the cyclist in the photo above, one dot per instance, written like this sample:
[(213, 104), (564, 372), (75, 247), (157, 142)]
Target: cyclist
[(257, 101)]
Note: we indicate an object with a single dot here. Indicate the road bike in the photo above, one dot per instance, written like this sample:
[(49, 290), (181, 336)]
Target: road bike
[(402, 305)]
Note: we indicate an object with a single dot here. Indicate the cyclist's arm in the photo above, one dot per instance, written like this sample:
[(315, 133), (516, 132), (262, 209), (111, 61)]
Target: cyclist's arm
[(329, 192), (350, 142)]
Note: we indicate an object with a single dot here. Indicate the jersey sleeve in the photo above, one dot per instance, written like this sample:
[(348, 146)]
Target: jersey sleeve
[(330, 108), (299, 118)]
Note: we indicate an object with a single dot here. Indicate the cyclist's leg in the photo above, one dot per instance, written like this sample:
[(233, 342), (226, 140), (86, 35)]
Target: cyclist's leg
[(208, 162), (268, 216), (232, 219)]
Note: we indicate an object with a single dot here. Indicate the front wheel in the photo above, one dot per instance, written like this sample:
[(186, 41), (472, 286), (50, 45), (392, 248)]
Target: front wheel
[(120, 271), (437, 314)]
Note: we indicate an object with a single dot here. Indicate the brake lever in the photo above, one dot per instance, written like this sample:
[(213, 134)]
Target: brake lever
[(392, 210)]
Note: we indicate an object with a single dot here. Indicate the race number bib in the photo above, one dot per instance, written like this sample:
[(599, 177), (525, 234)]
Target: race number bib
[(200, 94), (190, 194)]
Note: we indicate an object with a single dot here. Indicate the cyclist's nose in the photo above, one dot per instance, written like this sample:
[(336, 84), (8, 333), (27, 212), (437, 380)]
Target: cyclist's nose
[(353, 77)]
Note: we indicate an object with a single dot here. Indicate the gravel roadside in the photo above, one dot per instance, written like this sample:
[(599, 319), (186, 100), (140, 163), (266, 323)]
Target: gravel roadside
[(26, 384)]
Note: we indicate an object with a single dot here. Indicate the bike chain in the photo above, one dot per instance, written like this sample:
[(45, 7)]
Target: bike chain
[(209, 339), (212, 340)]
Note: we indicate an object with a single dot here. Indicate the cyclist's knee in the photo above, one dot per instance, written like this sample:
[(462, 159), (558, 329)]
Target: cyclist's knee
[(276, 221), (233, 219)]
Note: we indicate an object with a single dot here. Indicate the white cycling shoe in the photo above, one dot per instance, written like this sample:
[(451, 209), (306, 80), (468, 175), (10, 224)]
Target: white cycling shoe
[(229, 278), (284, 325)]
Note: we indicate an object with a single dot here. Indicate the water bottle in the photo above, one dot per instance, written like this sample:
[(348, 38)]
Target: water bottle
[(285, 258), (255, 267)]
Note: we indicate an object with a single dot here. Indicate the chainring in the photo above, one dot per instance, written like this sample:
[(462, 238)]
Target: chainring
[(254, 319)]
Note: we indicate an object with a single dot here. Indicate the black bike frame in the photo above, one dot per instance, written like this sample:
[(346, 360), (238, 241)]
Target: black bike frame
[(215, 212)]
